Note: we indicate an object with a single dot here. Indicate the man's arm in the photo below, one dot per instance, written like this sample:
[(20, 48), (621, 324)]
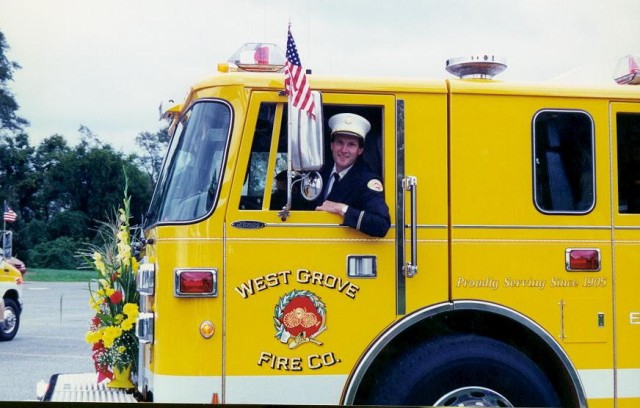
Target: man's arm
[(373, 219)]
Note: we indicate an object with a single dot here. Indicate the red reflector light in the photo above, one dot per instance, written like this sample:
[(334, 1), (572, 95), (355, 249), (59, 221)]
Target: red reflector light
[(196, 282), (583, 260)]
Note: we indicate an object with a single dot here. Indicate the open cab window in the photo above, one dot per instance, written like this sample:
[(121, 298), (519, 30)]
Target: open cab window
[(265, 183)]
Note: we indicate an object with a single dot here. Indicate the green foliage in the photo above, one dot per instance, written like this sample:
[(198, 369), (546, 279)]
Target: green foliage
[(154, 145), (59, 253), (9, 121), (72, 224)]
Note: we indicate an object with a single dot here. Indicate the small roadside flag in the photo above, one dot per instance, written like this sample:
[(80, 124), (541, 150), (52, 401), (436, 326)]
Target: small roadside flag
[(9, 214), (295, 79)]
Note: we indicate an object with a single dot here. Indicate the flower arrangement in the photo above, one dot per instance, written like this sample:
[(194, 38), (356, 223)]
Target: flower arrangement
[(114, 297)]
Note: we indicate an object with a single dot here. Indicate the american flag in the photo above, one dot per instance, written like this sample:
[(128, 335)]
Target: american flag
[(295, 79), (9, 214)]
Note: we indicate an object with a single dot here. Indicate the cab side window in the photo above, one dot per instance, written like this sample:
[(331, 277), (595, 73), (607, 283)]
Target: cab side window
[(256, 175), (563, 152), (628, 125)]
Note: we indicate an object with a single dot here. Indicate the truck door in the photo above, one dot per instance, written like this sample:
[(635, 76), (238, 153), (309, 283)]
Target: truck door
[(625, 125), (305, 296)]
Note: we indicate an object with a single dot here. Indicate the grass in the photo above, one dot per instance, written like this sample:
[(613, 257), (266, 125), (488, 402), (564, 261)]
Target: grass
[(58, 275)]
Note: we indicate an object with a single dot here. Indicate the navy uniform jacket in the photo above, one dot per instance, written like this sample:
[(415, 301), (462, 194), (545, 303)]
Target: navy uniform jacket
[(361, 190)]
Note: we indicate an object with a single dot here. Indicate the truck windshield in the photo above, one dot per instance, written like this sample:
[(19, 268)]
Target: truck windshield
[(188, 184)]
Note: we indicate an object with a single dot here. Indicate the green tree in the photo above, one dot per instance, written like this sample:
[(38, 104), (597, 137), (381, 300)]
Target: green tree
[(9, 120), (154, 147), (91, 180), (48, 155), (15, 165)]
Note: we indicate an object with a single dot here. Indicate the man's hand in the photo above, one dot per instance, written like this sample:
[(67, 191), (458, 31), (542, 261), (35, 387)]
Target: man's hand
[(332, 207)]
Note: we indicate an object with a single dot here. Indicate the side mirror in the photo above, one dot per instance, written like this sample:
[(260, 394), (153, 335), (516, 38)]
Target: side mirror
[(311, 186), (306, 144)]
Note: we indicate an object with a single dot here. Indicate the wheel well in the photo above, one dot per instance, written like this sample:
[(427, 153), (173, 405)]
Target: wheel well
[(483, 321), (13, 295)]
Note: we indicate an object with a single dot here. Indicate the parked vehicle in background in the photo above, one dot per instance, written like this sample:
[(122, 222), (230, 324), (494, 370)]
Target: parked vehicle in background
[(18, 264), (10, 300)]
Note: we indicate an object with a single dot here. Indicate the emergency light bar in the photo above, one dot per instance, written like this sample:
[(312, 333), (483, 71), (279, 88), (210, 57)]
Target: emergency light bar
[(476, 66), (258, 57), (627, 72)]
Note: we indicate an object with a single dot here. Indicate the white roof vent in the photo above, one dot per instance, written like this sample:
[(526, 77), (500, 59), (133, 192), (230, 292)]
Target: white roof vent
[(476, 66)]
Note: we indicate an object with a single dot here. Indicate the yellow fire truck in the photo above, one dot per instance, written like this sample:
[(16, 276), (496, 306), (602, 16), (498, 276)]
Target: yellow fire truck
[(510, 275)]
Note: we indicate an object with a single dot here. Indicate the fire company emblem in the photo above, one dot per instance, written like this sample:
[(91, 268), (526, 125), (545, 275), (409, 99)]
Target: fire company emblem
[(300, 317)]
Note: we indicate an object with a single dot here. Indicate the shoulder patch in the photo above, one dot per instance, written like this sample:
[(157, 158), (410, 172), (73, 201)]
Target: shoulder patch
[(375, 185)]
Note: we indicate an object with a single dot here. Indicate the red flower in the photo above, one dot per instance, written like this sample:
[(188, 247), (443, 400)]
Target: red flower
[(95, 321), (116, 297), (98, 346)]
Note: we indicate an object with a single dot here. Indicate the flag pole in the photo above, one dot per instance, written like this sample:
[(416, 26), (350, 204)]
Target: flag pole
[(285, 210), (4, 226)]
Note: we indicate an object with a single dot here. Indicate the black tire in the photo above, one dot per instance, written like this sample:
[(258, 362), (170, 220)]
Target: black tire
[(464, 369), (9, 329)]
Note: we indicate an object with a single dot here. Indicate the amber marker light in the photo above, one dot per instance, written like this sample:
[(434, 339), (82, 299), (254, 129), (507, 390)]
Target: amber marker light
[(207, 329)]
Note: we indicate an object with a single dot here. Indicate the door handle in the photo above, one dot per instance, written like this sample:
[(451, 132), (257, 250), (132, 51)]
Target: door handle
[(410, 183)]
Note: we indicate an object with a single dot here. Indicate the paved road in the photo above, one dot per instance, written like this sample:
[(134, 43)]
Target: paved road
[(50, 340)]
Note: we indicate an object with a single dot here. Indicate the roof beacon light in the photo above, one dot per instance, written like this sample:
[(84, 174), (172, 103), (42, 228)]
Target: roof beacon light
[(258, 57), (627, 72), (476, 66)]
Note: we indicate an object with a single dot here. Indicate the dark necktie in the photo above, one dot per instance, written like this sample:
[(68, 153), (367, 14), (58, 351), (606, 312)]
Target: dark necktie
[(336, 178)]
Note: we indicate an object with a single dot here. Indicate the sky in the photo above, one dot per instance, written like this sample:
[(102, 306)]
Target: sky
[(107, 64)]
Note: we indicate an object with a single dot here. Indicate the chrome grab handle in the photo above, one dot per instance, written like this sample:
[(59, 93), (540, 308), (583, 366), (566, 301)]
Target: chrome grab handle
[(410, 183)]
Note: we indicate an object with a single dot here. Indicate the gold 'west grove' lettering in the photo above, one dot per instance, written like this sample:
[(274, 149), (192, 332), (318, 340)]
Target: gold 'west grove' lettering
[(328, 281), (255, 285), (303, 276)]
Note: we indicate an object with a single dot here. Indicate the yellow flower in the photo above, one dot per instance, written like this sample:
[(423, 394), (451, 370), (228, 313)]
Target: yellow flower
[(110, 334), (95, 304), (99, 263), (134, 265), (128, 324), (123, 216), (119, 318), (124, 254), (131, 310), (93, 337), (123, 235), (122, 349)]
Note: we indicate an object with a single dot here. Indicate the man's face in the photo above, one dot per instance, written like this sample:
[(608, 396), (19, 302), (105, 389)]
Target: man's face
[(345, 150)]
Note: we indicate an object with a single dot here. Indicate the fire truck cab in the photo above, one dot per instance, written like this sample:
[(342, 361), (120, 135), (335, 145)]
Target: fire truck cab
[(508, 277)]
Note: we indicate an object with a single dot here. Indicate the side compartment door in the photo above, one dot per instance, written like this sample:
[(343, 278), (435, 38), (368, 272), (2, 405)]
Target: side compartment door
[(625, 125), (304, 296)]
